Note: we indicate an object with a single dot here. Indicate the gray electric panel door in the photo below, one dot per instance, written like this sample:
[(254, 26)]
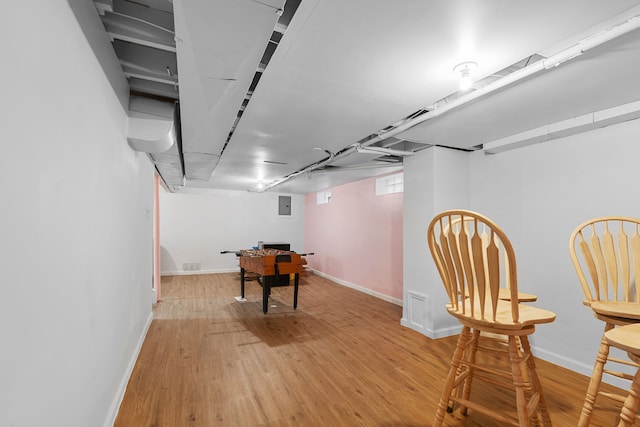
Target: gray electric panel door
[(284, 205)]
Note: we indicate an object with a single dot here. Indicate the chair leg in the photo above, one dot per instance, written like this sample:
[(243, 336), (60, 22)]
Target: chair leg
[(528, 372), (535, 382), (471, 358), (456, 362), (518, 382), (596, 379), (631, 403)]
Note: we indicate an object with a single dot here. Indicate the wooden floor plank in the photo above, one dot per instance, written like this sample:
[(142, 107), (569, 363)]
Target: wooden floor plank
[(341, 359)]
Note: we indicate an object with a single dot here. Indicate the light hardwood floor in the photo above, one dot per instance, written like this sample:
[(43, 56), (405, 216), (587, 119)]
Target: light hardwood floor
[(341, 359)]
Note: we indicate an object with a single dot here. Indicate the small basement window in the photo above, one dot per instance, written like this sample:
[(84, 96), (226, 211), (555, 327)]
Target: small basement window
[(389, 184), (323, 197)]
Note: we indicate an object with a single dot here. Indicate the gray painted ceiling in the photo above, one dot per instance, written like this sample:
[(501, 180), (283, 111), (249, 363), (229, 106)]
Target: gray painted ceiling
[(278, 93)]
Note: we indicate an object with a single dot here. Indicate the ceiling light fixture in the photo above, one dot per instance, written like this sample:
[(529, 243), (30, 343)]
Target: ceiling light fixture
[(465, 69)]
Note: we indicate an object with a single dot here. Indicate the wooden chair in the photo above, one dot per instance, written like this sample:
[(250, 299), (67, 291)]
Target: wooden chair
[(627, 338), (605, 252), (473, 272), (504, 292)]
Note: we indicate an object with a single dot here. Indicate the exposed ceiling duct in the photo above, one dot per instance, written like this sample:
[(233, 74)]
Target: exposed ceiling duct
[(225, 59), (307, 169), (541, 65), (625, 26), (544, 64), (285, 16), (152, 125), (255, 85), (573, 126), (143, 37)]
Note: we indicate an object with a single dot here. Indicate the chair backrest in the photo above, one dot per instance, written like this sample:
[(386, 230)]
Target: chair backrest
[(475, 259), (606, 255)]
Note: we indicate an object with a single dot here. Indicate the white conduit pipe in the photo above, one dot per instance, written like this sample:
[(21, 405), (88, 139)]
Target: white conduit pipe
[(578, 49), (544, 64), (309, 168)]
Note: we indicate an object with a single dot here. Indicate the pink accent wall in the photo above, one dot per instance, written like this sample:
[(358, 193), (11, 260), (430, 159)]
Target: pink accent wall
[(357, 237)]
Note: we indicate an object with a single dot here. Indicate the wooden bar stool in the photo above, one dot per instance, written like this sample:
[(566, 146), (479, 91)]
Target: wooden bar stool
[(627, 338), (605, 252), (504, 292), (476, 260)]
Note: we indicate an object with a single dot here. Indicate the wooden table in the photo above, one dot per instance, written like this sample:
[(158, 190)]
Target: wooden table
[(270, 264)]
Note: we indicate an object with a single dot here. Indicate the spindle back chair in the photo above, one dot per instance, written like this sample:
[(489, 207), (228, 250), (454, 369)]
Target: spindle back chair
[(627, 338), (475, 259), (605, 252), (504, 292)]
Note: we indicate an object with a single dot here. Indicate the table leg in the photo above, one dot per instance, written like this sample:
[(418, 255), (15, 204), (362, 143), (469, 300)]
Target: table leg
[(266, 291), (241, 282), (295, 291)]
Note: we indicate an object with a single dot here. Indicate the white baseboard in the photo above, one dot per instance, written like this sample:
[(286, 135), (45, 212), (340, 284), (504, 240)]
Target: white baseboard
[(117, 400), (362, 289), (432, 333), (579, 367), (538, 352), (563, 361)]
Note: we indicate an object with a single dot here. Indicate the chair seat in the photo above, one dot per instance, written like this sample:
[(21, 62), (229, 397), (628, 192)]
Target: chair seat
[(505, 294), (529, 315), (626, 338), (628, 310)]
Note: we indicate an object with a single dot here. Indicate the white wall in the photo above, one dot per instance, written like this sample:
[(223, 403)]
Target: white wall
[(435, 179), (538, 195), (76, 233), (197, 224)]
